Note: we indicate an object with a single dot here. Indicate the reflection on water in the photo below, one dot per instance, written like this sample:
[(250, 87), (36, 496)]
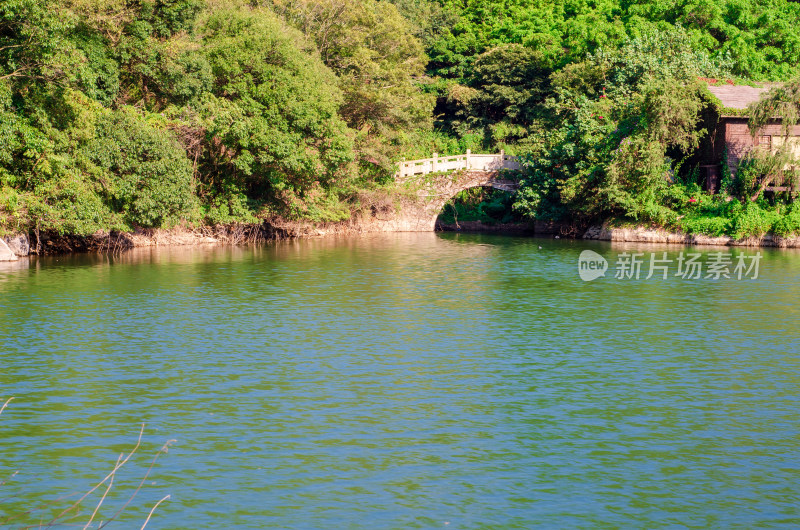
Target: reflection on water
[(408, 380), (13, 266)]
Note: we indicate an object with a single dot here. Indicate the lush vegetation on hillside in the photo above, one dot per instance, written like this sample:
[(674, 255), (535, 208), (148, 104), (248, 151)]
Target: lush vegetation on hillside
[(116, 114)]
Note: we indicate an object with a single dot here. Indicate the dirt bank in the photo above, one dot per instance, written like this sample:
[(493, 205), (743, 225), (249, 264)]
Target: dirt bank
[(51, 243), (43, 243)]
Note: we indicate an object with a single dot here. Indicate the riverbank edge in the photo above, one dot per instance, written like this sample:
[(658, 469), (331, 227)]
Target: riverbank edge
[(14, 246), (641, 234), (483, 228)]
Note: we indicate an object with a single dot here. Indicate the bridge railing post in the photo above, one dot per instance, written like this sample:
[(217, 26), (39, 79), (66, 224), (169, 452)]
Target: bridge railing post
[(470, 161)]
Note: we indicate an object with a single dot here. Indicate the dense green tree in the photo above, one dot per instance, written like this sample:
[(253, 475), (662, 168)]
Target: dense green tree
[(34, 43), (274, 134), (143, 172), (379, 63), (502, 97), (84, 168), (428, 20), (123, 113), (625, 121), (760, 36)]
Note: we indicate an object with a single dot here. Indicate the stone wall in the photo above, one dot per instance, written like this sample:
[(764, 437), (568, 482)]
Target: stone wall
[(19, 244), (658, 235), (5, 252)]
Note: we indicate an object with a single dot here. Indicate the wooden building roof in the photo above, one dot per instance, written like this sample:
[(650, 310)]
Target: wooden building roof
[(739, 96)]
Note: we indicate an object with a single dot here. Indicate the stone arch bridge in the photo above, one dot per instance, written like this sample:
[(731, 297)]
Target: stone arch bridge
[(430, 182)]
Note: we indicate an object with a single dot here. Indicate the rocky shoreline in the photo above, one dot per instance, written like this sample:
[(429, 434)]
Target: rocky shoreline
[(659, 235), (20, 245), (15, 246)]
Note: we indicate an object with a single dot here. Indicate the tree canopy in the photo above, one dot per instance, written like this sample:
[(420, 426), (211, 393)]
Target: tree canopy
[(117, 114)]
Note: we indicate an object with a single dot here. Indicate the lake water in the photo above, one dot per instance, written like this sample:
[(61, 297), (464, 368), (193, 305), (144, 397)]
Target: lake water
[(401, 381)]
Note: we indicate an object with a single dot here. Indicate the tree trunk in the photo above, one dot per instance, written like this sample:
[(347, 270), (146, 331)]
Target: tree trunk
[(764, 183)]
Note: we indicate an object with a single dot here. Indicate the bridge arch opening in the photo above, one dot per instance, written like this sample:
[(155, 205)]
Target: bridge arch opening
[(479, 208)]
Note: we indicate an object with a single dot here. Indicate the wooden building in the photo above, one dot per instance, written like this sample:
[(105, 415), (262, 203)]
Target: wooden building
[(726, 122)]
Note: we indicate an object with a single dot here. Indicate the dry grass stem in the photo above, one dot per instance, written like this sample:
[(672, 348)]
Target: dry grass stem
[(110, 483), (6, 404), (64, 516), (153, 510), (14, 474), (163, 449), (119, 465)]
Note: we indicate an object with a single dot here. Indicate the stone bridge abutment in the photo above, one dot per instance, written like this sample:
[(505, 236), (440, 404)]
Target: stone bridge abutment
[(425, 186)]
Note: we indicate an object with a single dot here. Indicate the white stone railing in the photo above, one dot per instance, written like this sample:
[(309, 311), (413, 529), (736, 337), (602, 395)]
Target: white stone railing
[(470, 161)]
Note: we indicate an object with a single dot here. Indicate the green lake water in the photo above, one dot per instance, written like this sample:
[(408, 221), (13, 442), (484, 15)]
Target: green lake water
[(401, 381)]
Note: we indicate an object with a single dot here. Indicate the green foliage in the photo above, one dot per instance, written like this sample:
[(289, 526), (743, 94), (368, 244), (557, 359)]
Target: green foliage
[(716, 217), (379, 63), (781, 101), (157, 67), (86, 168), (563, 176), (752, 219), (652, 55), (98, 76), (487, 205), (118, 113), (789, 222), (272, 118), (144, 173), (701, 213), (34, 41), (68, 203), (427, 19), (746, 180), (421, 143), (168, 17), (511, 81), (615, 147), (503, 96), (759, 37), (712, 225), (728, 181), (40, 175), (21, 142)]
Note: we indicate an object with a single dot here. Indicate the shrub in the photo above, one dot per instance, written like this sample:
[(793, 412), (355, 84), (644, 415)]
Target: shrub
[(752, 219), (704, 223), (142, 170), (789, 222), (272, 117)]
